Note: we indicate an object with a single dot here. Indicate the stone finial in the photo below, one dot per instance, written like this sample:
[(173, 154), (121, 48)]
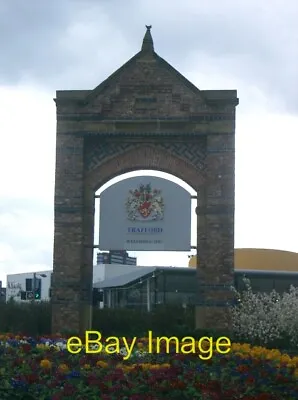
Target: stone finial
[(147, 45)]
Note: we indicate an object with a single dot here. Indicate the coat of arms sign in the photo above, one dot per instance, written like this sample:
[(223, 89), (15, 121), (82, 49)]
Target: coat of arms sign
[(145, 204)]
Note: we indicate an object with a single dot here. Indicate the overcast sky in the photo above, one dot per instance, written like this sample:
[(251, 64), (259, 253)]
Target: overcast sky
[(53, 45)]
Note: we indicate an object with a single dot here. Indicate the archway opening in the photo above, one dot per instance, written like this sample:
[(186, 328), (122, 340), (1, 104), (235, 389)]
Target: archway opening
[(152, 258)]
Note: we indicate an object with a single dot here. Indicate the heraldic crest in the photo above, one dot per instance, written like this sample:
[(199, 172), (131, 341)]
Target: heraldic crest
[(145, 204)]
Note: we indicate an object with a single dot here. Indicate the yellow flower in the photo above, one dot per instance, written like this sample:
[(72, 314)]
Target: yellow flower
[(154, 366), (291, 365), (102, 364), (205, 344), (46, 364), (145, 365), (140, 345), (243, 356), (295, 360), (296, 373), (235, 347), (86, 366), (40, 346), (285, 359), (63, 368), (239, 349), (127, 368), (257, 352), (165, 365)]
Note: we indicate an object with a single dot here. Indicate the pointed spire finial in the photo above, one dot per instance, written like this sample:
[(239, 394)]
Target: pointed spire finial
[(147, 45)]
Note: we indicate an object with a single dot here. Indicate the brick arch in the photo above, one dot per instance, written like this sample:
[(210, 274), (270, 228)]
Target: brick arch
[(141, 158)]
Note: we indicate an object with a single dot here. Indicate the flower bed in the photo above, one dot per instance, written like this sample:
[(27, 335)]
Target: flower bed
[(43, 369)]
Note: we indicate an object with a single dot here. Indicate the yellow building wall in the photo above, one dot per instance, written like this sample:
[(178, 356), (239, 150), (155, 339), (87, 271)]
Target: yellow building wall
[(261, 259)]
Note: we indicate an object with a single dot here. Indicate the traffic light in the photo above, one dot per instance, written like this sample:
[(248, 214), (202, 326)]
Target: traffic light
[(37, 294)]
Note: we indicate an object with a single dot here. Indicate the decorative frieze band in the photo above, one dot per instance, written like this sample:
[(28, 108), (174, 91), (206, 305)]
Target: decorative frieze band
[(97, 152)]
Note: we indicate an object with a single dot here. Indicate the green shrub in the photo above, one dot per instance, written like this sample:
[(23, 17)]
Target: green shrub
[(30, 319), (35, 319), (168, 320)]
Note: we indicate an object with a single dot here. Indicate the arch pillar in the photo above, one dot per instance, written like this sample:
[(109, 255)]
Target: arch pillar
[(215, 241)]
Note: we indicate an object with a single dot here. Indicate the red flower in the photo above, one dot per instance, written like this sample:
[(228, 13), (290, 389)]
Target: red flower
[(224, 360), (200, 386), (281, 379), (26, 348), (214, 385), (178, 385), (250, 380), (17, 362), (69, 389), (264, 396), (32, 378), (58, 396), (242, 368)]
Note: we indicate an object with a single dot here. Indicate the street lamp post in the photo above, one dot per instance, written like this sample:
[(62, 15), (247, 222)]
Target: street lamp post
[(34, 285)]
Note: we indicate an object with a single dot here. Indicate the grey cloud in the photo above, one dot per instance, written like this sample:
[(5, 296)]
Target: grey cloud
[(41, 41), (38, 206), (29, 31), (25, 223), (76, 44)]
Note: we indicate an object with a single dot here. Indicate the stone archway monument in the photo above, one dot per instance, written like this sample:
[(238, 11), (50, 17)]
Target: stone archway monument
[(146, 115)]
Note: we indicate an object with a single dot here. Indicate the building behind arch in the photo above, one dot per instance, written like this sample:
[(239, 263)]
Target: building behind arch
[(131, 286)]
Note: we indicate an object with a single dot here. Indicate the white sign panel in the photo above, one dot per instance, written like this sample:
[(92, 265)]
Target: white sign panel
[(145, 214)]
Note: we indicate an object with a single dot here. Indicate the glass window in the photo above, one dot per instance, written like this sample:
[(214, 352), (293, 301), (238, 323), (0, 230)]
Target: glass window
[(178, 298), (261, 283), (282, 284), (29, 286), (161, 298), (180, 282)]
